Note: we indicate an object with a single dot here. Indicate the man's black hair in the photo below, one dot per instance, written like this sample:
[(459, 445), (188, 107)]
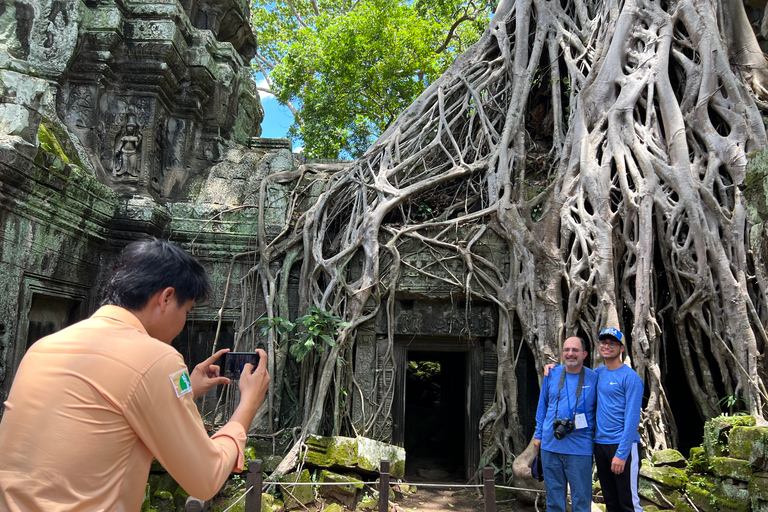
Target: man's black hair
[(147, 266)]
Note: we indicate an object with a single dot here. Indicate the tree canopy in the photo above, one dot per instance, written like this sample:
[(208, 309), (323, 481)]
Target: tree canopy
[(347, 69)]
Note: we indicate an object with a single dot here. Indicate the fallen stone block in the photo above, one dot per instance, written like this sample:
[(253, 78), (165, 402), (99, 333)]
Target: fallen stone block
[(669, 477), (749, 443), (347, 490), (355, 453), (717, 430), (698, 462), (726, 467), (669, 458), (297, 495), (706, 495)]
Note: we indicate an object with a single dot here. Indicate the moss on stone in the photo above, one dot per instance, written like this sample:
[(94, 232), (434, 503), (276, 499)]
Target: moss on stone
[(333, 507), (180, 498), (398, 469), (657, 493), (55, 142), (697, 460), (50, 144), (706, 494), (726, 467), (162, 501), (682, 505), (146, 503), (363, 453), (668, 476), (501, 494), (717, 430), (231, 505), (297, 495), (270, 504), (668, 458), (749, 443), (758, 486), (368, 504)]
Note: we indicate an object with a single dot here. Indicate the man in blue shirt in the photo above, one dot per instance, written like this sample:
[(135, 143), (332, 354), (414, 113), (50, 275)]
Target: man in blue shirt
[(620, 392), (565, 428)]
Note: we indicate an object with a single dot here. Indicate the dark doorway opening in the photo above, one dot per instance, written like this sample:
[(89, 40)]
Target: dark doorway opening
[(690, 425), (435, 414), (49, 314)]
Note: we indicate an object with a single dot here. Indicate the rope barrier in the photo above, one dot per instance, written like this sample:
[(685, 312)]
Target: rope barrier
[(354, 482), (520, 489), (448, 486), (268, 483), (238, 499)]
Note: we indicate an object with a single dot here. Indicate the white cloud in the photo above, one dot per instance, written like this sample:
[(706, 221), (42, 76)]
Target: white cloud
[(264, 95), (299, 149)]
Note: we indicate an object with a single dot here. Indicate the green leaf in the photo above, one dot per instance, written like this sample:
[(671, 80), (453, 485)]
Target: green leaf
[(351, 71)]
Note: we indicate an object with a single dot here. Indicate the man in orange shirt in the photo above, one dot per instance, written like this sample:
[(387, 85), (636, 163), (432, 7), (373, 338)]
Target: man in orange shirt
[(92, 405)]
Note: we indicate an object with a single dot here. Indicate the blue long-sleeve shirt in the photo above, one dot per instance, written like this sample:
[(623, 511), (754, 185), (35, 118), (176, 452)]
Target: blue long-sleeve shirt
[(620, 398), (578, 442)]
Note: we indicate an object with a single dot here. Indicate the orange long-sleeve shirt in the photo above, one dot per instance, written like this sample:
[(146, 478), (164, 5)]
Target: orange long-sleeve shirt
[(89, 409)]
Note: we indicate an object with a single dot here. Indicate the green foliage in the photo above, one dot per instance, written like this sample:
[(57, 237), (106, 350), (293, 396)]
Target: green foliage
[(350, 67), (736, 405), (283, 325), (424, 370), (316, 329), (318, 326)]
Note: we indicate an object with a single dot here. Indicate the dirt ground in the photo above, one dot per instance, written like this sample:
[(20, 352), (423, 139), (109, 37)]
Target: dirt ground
[(455, 500)]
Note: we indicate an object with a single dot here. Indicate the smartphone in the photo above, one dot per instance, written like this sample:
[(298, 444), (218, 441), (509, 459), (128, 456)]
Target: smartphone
[(233, 362)]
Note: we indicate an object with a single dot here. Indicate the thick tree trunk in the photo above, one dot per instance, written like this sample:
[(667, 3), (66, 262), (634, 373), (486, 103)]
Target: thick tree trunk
[(641, 224)]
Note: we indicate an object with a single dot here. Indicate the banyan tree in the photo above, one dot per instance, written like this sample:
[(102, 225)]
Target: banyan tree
[(605, 142)]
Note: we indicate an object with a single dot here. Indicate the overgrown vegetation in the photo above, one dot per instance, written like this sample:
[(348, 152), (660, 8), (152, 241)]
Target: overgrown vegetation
[(635, 219)]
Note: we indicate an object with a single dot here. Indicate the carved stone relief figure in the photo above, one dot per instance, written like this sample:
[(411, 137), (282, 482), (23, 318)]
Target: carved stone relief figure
[(57, 19), (161, 145), (127, 149), (80, 107), (176, 142)]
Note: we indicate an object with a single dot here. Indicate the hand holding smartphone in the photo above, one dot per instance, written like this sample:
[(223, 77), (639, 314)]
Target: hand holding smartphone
[(233, 363)]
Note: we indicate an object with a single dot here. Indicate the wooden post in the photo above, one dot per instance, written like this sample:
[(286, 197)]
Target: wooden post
[(384, 486), (489, 489), (254, 482)]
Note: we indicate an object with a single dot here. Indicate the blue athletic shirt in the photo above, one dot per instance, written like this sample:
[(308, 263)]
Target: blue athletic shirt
[(618, 408), (579, 441)]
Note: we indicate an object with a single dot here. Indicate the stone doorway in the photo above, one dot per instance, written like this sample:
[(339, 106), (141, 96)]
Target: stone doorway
[(437, 407), (435, 401)]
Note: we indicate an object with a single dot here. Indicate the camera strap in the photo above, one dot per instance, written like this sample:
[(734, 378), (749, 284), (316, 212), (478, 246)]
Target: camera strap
[(579, 386)]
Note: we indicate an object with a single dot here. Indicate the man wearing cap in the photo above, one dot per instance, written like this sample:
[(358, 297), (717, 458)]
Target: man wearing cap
[(565, 428), (620, 395)]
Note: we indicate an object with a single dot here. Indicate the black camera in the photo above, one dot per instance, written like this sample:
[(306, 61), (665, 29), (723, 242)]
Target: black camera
[(562, 427)]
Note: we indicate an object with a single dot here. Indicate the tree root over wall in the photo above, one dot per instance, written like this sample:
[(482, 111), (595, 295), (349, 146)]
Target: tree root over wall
[(650, 110)]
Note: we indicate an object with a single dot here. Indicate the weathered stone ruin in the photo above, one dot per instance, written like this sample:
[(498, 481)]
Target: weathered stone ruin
[(726, 473), (112, 116)]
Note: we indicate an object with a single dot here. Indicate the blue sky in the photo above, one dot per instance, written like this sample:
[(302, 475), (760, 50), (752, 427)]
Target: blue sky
[(277, 118)]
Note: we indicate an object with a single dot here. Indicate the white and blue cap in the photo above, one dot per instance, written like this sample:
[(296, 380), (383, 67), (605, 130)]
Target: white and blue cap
[(615, 333)]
